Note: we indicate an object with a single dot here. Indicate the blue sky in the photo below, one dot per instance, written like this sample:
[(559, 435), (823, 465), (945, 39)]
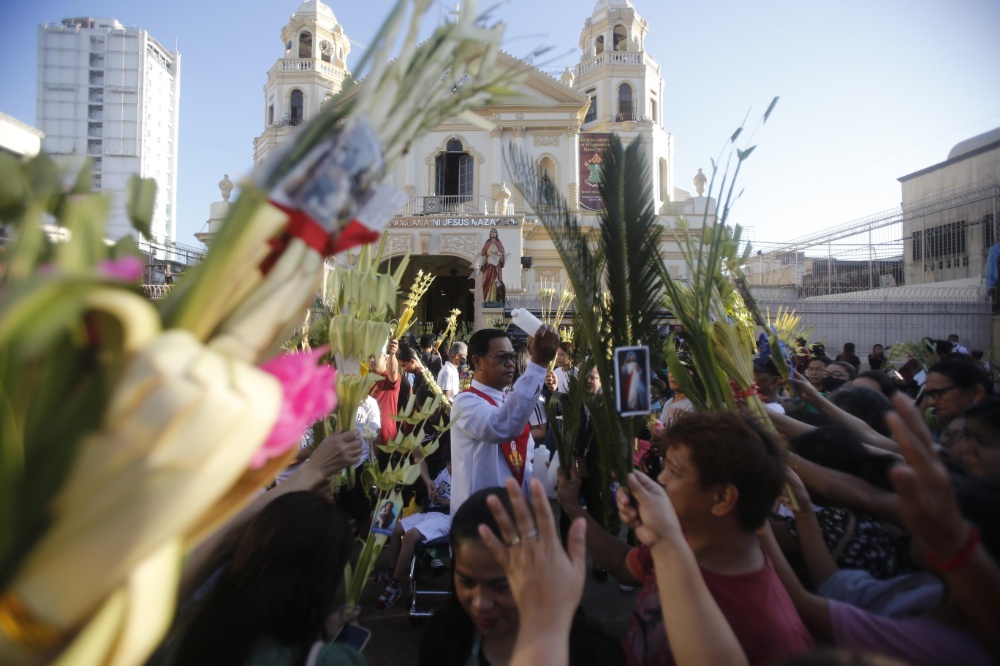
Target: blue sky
[(870, 89)]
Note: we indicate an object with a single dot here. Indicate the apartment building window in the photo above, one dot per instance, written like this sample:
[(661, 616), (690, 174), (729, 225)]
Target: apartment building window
[(989, 232), (946, 240)]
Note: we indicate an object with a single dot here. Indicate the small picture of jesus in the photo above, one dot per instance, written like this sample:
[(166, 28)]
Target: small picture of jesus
[(632, 376)]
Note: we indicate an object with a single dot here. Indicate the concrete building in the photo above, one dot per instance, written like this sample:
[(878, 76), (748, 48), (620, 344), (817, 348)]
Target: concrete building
[(112, 93), (950, 212), (902, 274), (19, 138), (457, 184)]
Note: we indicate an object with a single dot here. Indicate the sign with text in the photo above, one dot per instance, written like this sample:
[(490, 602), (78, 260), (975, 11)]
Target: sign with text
[(501, 221), (592, 169)]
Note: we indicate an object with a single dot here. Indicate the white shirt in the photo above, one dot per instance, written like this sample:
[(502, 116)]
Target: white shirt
[(775, 407), (368, 416), (539, 415), (447, 379), (673, 408), (562, 378), (479, 428)]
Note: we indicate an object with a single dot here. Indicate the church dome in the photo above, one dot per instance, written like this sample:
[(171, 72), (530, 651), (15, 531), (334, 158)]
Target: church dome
[(316, 7), (612, 4)]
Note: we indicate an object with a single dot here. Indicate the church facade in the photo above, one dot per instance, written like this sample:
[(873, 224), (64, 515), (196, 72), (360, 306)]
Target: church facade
[(464, 220)]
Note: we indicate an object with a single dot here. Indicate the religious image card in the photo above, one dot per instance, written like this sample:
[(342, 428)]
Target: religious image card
[(632, 394)]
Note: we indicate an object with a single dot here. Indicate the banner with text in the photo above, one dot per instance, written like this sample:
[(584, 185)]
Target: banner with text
[(481, 221), (592, 169)]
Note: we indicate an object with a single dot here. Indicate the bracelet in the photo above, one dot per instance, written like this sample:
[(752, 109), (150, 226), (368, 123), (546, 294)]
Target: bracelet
[(943, 566)]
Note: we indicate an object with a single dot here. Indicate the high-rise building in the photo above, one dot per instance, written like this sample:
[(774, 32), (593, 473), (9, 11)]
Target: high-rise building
[(112, 93)]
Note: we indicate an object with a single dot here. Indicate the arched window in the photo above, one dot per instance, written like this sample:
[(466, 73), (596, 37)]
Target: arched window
[(547, 166), (664, 193), (620, 37), (454, 175), (297, 107), (305, 44), (599, 45), (592, 109), (626, 109)]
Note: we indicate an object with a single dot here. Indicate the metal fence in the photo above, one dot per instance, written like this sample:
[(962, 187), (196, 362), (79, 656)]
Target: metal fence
[(866, 318), (944, 237), (887, 316), (156, 292)]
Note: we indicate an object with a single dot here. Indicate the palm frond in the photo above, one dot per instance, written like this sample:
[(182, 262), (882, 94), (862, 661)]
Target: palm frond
[(617, 277), (715, 305), (630, 236)]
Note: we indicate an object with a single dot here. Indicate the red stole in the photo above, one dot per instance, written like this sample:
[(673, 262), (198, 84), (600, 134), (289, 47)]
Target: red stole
[(514, 451)]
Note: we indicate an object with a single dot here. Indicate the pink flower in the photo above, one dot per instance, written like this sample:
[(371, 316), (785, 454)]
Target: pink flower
[(309, 395), (126, 269)]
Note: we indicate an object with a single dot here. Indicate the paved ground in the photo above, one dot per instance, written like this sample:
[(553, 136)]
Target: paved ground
[(396, 640)]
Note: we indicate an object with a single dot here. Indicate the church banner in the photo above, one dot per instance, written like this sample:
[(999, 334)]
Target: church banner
[(592, 169)]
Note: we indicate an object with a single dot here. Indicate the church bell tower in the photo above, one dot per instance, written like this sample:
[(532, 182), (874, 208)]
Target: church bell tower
[(625, 88), (311, 71)]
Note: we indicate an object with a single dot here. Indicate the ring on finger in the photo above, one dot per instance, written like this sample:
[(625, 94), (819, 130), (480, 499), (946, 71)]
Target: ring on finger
[(530, 534), (516, 541)]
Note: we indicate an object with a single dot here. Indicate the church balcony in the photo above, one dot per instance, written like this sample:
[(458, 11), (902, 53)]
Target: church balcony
[(327, 69), (611, 58), (444, 204), (608, 123), (627, 113), (288, 121)]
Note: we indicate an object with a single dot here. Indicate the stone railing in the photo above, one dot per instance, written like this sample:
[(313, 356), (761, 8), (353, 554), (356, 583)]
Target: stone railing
[(450, 205), (611, 58), (308, 65)]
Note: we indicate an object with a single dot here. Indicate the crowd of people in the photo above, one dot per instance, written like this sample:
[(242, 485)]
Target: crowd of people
[(864, 528)]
